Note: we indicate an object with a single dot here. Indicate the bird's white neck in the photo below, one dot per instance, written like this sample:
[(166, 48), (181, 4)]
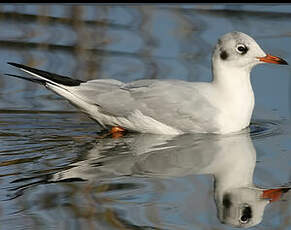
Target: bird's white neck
[(231, 78)]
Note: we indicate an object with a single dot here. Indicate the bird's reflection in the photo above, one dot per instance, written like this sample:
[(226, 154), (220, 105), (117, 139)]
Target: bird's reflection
[(230, 159)]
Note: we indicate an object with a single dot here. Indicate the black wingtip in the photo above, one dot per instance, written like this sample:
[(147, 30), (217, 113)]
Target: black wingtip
[(15, 64), (52, 77)]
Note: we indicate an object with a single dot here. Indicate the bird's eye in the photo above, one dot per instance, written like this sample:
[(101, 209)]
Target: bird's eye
[(244, 219), (242, 49)]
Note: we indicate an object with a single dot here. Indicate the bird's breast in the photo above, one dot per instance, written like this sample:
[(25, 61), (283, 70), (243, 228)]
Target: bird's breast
[(236, 112)]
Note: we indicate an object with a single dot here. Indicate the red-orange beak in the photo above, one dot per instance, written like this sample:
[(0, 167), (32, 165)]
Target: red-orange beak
[(274, 194), (273, 59)]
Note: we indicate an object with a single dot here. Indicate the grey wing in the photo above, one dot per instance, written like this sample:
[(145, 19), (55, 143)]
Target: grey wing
[(119, 99), (108, 95), (172, 102), (176, 103)]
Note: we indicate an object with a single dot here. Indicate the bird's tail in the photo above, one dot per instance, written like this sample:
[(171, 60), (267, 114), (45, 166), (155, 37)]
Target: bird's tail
[(61, 85)]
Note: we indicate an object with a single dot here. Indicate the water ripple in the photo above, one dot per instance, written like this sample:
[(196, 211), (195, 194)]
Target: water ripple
[(264, 128)]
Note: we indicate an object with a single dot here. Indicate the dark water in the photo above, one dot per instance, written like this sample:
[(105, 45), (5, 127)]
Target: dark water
[(55, 173)]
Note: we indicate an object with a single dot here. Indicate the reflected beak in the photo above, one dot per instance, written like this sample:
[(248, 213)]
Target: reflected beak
[(272, 59), (274, 194)]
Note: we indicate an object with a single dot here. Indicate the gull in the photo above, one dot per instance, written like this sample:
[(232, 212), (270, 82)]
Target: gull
[(223, 105)]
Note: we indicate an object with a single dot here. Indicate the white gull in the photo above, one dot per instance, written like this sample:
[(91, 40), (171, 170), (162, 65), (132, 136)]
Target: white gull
[(224, 105)]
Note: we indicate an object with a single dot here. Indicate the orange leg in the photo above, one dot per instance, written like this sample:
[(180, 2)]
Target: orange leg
[(115, 132)]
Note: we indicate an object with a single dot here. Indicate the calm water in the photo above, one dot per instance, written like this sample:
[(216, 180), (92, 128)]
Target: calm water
[(55, 173)]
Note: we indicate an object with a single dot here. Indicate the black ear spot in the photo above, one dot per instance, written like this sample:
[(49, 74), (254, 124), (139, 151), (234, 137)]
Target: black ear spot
[(223, 55)]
